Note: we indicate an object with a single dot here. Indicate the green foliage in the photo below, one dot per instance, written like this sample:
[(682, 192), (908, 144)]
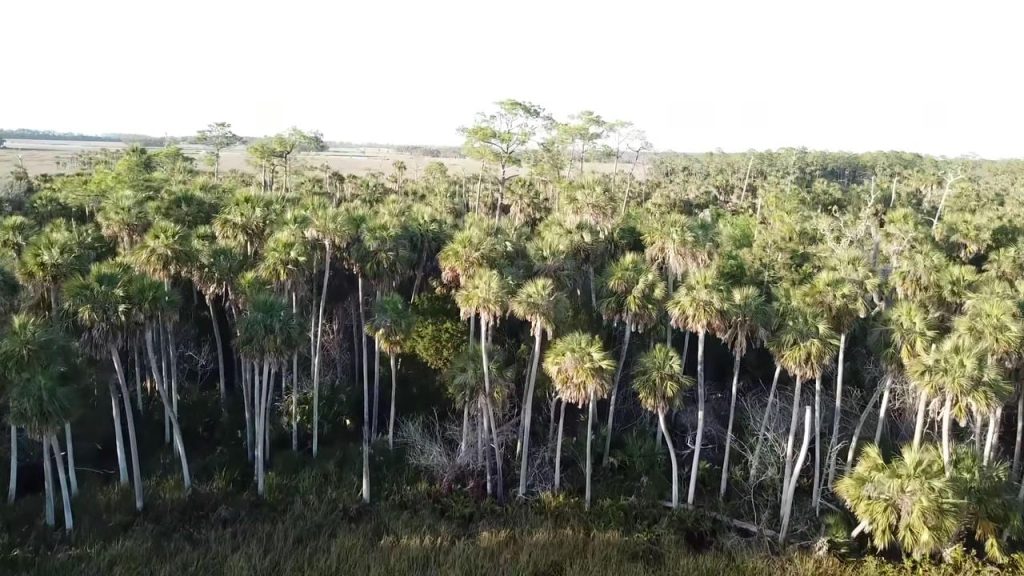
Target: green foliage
[(437, 333)]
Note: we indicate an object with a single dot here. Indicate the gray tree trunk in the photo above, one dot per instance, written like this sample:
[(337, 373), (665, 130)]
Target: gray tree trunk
[(558, 448), (591, 414), (528, 411), (728, 432), (700, 419), (169, 410), (790, 488), (837, 413), (816, 489), (319, 334), (860, 426), (499, 480), (221, 385), (69, 522), (883, 408), (922, 406), (132, 440), (672, 457), (790, 441), (764, 421), (615, 393), (12, 482), (48, 486), (366, 397), (394, 390), (72, 473), (122, 460)]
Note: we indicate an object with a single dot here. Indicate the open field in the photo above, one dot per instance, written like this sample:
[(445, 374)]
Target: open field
[(46, 156)]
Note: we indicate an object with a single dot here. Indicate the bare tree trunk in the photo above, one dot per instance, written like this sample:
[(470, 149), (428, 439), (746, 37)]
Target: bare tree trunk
[(72, 473), (746, 179), (376, 388), (366, 397), (319, 347), (465, 430), (162, 389), (12, 481), (249, 402), (728, 431), (528, 410), (558, 448), (222, 385), (922, 406), (499, 480), (1020, 434), (994, 419), (837, 412), (615, 392), (672, 457), (48, 485), (816, 489), (764, 421), (883, 408), (591, 414), (132, 440), (947, 417), (700, 418), (122, 459), (790, 489), (790, 441), (394, 390), (860, 426), (69, 522)]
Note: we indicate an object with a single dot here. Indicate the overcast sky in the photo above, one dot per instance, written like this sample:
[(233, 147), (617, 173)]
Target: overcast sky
[(936, 77)]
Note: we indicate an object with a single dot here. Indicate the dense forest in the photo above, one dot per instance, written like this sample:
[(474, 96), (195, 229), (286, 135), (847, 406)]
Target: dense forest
[(806, 350)]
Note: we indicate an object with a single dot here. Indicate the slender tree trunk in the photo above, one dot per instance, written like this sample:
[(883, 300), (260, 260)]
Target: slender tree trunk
[(394, 390), (319, 347), (837, 413), (558, 448), (700, 418), (485, 452), (538, 334), (591, 414), (267, 388), (728, 432), (1020, 434), (860, 426), (222, 385), (12, 482), (994, 419), (69, 522), (686, 349), (465, 430), (947, 418), (499, 480), (615, 393), (132, 439), (122, 460), (883, 408), (672, 457), (376, 388), (668, 322), (172, 355), (48, 485), (366, 397), (922, 406), (249, 401), (791, 486), (138, 376), (816, 489), (176, 430), (593, 287), (257, 394), (764, 421), (72, 472), (164, 376), (790, 441)]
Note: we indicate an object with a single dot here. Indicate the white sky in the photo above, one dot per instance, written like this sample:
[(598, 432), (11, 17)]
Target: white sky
[(937, 77)]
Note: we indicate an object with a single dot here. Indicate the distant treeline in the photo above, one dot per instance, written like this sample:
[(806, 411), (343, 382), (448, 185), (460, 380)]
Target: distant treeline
[(141, 139)]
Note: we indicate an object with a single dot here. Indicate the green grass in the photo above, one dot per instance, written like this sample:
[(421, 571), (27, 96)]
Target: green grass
[(312, 523)]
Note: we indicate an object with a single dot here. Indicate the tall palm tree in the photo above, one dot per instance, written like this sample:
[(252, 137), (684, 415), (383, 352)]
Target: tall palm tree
[(634, 294), (580, 369), (669, 245), (698, 306), (806, 344), (150, 301), (123, 218), (37, 366), (746, 322), (100, 304), (484, 295), (539, 303), (215, 269), (658, 380), (391, 326), (908, 331), (268, 333)]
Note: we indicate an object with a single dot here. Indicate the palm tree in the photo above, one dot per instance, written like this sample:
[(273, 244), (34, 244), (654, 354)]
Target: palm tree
[(658, 380), (391, 326), (669, 245), (216, 267), (484, 294), (580, 369), (99, 302), (539, 303), (747, 317), (268, 332), (38, 364), (123, 218), (806, 344), (698, 306), (635, 292), (909, 501), (909, 330), (150, 302)]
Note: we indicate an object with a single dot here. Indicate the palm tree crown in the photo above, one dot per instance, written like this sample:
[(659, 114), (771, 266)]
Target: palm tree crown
[(658, 378), (578, 364)]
